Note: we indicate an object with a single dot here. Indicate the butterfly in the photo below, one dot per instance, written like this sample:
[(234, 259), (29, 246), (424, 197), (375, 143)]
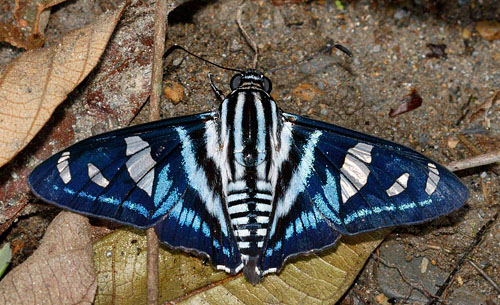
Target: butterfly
[(248, 185)]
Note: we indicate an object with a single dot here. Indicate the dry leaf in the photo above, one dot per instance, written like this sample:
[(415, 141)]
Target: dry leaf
[(34, 84), (28, 20), (482, 110), (121, 271), (60, 271), (408, 103), (120, 262)]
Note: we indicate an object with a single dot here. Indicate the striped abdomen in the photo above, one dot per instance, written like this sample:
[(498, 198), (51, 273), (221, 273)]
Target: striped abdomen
[(249, 209)]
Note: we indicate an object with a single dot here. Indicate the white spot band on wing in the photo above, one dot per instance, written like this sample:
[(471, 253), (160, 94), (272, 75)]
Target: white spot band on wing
[(354, 172), (362, 151), (224, 268), (135, 144), (198, 180), (432, 180), (141, 169), (63, 167), (399, 185), (96, 176)]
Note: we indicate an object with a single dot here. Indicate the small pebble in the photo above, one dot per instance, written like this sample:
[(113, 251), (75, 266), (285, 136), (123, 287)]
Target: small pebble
[(424, 265), (174, 92), (466, 33), (488, 29), (400, 14), (177, 61), (235, 46), (452, 143), (382, 299)]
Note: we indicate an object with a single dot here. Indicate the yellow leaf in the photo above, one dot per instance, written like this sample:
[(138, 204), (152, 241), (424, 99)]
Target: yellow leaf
[(120, 260)]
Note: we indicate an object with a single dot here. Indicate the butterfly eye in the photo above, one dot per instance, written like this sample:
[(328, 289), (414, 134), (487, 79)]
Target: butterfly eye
[(235, 81), (268, 86)]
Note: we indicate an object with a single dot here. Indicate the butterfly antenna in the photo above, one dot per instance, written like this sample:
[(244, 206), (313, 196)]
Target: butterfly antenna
[(329, 46), (178, 47), (247, 36)]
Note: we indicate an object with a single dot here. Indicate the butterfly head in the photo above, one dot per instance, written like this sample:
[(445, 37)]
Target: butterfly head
[(251, 79)]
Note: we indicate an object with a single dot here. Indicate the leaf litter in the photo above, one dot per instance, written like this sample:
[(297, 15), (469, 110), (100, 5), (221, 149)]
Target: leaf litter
[(36, 82), (60, 271), (181, 108)]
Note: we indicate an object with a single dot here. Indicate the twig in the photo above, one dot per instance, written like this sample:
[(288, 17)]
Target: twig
[(412, 284), (481, 160), (247, 36), (486, 276), (154, 114), (469, 144), (477, 240), (152, 266)]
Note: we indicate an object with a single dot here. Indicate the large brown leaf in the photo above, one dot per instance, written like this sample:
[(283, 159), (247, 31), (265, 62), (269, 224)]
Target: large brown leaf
[(34, 84), (60, 271), (120, 260)]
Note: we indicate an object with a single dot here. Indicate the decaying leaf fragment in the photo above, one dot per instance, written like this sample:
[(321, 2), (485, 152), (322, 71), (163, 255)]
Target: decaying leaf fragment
[(28, 20), (408, 103), (120, 260), (36, 82), (60, 271)]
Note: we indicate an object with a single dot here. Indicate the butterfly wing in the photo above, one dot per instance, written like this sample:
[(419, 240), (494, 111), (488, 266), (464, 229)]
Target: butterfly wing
[(147, 175), (353, 183)]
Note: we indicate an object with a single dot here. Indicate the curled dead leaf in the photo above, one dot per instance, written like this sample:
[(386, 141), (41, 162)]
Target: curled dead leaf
[(36, 82), (61, 269), (120, 260)]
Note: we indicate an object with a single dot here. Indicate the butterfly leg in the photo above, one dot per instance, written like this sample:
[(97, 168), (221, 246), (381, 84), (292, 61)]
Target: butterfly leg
[(217, 92)]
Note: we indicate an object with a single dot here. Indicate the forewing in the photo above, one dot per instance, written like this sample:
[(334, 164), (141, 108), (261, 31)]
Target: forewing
[(362, 183), (117, 175), (338, 181), (141, 176)]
